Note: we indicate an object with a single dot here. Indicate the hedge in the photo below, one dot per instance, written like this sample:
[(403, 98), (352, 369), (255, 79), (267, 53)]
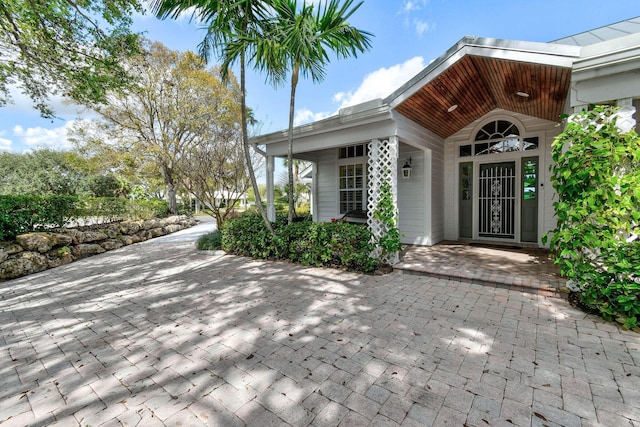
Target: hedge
[(23, 214), (337, 244), (27, 213)]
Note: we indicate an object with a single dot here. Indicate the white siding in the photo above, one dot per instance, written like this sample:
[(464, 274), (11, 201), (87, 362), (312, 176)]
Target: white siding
[(548, 194), (327, 185), (426, 189), (437, 191), (450, 191), (412, 206)]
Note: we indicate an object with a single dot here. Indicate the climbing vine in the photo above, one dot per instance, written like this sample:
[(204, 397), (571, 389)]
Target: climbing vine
[(387, 213), (596, 175)]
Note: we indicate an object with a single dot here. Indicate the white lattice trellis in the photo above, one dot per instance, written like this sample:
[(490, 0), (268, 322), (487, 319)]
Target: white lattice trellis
[(383, 167)]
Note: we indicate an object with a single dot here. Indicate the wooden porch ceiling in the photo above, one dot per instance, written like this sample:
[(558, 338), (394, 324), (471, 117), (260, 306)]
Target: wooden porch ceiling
[(479, 84)]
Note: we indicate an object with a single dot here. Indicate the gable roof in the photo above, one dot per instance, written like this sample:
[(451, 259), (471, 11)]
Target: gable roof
[(478, 75), (604, 33)]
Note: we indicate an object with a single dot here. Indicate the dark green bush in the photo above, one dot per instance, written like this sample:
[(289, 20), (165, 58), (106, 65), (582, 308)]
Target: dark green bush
[(596, 175), (210, 241), (26, 213), (23, 214), (614, 287), (246, 235), (319, 244)]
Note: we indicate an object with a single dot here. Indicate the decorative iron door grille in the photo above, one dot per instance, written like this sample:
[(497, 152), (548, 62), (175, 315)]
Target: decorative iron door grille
[(497, 200)]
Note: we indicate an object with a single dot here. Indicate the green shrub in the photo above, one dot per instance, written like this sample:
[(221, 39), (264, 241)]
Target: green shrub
[(613, 288), (319, 244), (147, 209), (247, 235), (596, 174), (108, 209), (210, 241), (24, 214)]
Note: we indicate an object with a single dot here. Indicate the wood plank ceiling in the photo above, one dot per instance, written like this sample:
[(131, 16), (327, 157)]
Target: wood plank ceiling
[(478, 84)]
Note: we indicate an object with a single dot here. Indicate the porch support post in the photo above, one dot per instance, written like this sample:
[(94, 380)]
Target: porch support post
[(627, 114), (579, 108), (271, 207), (314, 191), (383, 182)]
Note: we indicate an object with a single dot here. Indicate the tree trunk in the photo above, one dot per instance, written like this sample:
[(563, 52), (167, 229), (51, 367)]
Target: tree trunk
[(292, 103), (246, 147), (171, 190)]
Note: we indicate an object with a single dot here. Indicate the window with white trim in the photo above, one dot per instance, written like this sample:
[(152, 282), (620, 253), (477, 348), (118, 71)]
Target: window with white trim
[(352, 178), (499, 136)]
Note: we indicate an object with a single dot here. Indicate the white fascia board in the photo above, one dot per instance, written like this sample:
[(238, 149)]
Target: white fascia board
[(608, 58), (540, 53), (350, 126), (357, 133)]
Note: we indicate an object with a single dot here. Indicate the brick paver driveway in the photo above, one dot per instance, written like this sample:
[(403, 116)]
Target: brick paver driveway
[(159, 334)]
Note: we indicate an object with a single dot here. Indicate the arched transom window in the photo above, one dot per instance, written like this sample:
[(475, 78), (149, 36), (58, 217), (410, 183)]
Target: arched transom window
[(499, 136)]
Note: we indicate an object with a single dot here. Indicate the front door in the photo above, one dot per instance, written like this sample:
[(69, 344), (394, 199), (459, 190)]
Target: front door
[(497, 196)]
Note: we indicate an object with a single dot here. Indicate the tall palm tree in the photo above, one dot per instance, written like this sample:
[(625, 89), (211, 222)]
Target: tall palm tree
[(233, 27), (299, 41)]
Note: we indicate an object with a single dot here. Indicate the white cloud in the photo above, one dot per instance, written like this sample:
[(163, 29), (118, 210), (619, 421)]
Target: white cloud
[(421, 26), (186, 17), (413, 5), (61, 107), (39, 137), (305, 116), (377, 84), (5, 144), (381, 83)]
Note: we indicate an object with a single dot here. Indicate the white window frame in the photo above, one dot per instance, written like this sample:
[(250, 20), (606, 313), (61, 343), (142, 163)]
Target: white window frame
[(353, 162)]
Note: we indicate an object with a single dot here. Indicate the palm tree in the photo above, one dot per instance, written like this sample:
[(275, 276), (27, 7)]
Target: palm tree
[(299, 40), (233, 27)]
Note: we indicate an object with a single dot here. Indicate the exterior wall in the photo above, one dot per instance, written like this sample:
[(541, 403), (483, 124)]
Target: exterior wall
[(413, 206), (421, 198), (529, 126), (326, 179)]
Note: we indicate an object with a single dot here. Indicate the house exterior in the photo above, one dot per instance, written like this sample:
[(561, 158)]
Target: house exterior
[(475, 130)]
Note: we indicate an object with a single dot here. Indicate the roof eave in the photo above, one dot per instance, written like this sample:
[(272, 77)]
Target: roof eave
[(348, 117), (543, 53)]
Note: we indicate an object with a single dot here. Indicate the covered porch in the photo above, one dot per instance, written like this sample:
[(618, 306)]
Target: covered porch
[(528, 270)]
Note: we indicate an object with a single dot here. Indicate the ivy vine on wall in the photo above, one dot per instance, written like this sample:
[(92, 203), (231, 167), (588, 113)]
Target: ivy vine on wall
[(596, 175), (387, 213)]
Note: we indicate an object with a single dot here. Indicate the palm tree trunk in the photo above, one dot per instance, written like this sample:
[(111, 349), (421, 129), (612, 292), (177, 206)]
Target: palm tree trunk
[(247, 148), (292, 104)]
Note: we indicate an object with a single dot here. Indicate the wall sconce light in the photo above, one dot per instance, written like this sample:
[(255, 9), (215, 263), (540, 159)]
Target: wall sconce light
[(406, 169)]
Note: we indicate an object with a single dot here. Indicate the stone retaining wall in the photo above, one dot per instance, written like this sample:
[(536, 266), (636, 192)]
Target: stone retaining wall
[(34, 252)]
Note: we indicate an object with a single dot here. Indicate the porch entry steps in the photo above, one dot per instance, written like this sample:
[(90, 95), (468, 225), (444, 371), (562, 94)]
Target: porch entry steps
[(519, 269)]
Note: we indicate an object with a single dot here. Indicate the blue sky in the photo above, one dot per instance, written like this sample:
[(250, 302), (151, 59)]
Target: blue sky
[(408, 35)]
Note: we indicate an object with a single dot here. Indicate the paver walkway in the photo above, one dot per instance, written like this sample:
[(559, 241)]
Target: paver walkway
[(528, 270), (158, 334)]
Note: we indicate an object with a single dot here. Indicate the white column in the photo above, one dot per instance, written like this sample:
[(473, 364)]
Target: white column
[(314, 191), (626, 102), (626, 115), (383, 168), (271, 207), (579, 108)]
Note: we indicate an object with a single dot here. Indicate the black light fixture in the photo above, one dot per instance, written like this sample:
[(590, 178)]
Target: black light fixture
[(406, 169)]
